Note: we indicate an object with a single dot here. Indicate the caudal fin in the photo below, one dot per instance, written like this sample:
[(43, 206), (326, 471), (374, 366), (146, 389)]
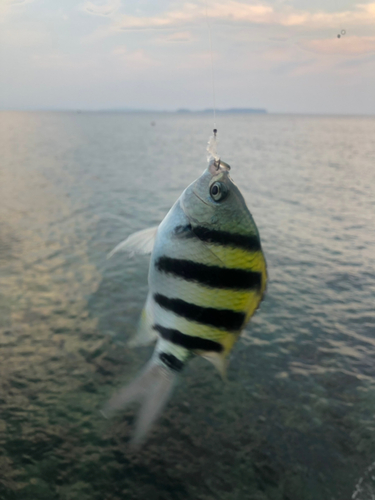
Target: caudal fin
[(152, 389)]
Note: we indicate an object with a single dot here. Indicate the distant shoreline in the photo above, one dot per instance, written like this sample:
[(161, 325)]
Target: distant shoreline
[(238, 111), (229, 110), (129, 110)]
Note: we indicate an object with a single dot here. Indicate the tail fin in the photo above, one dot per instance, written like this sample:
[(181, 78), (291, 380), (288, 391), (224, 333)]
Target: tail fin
[(152, 389)]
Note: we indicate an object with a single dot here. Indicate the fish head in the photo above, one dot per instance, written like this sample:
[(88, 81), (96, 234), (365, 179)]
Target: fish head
[(214, 200)]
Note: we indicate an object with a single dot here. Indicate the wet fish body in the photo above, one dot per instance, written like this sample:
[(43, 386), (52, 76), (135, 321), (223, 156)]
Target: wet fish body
[(206, 279)]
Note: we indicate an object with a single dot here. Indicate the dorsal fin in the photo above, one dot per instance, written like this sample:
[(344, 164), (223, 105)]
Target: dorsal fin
[(141, 242)]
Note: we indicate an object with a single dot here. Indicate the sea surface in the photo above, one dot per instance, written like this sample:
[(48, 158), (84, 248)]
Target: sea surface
[(296, 418)]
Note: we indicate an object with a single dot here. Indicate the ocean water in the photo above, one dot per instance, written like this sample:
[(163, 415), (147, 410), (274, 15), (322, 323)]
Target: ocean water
[(296, 419)]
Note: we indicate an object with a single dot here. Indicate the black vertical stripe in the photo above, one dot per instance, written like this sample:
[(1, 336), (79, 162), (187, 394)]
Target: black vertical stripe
[(187, 341), (211, 276), (219, 318), (225, 238), (171, 361)]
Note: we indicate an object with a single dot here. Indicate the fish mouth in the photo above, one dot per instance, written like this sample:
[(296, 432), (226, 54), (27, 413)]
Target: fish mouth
[(193, 219), (205, 202)]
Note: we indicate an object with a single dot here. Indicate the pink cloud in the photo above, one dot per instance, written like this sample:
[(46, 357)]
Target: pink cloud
[(346, 45), (259, 13)]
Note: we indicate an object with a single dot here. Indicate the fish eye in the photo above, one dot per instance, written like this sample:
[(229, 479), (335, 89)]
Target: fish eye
[(218, 191)]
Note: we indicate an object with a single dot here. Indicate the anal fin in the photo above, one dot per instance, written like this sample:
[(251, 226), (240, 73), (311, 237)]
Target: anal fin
[(219, 361), (145, 333)]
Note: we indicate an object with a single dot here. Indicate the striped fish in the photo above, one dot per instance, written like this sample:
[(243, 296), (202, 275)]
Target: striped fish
[(206, 279)]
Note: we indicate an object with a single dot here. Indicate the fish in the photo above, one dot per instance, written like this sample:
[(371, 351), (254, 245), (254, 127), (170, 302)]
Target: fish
[(207, 277)]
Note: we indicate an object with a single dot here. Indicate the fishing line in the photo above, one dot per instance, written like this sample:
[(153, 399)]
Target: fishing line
[(342, 31), (211, 148), (212, 66)]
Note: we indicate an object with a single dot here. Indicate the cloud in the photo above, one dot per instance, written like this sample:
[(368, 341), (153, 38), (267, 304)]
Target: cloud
[(22, 37), (179, 36), (190, 13), (101, 7), (293, 67), (9, 6), (136, 59), (257, 13), (16, 2), (346, 45), (278, 38), (60, 61), (51, 60)]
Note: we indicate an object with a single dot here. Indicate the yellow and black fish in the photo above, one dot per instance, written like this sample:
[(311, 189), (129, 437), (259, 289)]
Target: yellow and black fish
[(207, 277)]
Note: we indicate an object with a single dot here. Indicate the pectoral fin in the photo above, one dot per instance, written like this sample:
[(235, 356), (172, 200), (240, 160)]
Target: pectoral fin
[(141, 242)]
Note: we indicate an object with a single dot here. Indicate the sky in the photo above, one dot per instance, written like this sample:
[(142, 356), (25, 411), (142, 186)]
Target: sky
[(282, 55)]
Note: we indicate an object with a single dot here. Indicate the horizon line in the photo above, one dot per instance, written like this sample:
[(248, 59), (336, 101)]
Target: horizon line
[(182, 111)]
